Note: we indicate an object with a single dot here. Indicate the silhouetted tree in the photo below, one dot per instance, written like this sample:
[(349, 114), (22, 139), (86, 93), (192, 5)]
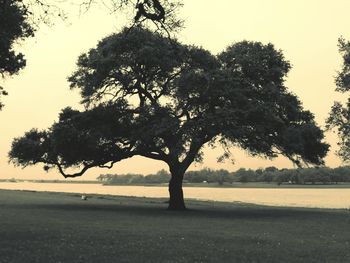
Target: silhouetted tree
[(14, 26), (152, 96), (339, 117)]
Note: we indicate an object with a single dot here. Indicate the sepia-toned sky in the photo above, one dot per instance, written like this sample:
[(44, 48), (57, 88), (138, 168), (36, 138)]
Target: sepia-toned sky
[(306, 31)]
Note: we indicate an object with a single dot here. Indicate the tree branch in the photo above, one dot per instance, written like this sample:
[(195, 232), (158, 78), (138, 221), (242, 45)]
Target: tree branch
[(157, 15), (153, 155), (196, 145), (65, 175)]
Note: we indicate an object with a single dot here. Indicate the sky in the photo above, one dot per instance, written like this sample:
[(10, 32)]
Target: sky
[(306, 31)]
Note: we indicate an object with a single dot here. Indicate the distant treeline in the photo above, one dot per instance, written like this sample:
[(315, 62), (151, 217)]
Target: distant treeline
[(322, 175)]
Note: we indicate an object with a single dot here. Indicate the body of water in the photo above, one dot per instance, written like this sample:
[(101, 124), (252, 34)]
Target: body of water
[(300, 197)]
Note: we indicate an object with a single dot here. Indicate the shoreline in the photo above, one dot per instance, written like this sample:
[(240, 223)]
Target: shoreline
[(265, 185), (162, 200)]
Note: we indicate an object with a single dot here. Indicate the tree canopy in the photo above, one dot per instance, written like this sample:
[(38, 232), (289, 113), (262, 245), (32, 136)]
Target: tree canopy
[(339, 117), (152, 96)]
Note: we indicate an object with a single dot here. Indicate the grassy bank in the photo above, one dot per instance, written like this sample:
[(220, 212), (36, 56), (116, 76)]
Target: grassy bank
[(53, 227)]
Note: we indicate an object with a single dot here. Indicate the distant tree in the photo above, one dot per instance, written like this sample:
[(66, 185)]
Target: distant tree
[(209, 175), (161, 176), (268, 177), (325, 175), (259, 171), (151, 96), (284, 176), (246, 176), (103, 177), (196, 176), (339, 117), (222, 176), (269, 174), (271, 169), (307, 176), (122, 179), (14, 26), (341, 174)]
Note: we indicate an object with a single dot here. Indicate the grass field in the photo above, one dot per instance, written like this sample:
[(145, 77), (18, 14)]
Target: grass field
[(54, 227)]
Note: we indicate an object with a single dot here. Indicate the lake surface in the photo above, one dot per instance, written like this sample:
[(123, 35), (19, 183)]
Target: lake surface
[(322, 198)]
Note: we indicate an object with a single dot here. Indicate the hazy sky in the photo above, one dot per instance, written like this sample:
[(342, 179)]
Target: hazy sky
[(306, 31)]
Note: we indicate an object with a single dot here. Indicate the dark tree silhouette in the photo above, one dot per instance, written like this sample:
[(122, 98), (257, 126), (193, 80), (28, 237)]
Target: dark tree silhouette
[(151, 96), (339, 117), (14, 26)]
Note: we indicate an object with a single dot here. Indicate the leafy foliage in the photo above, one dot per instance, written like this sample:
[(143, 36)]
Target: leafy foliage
[(339, 116), (14, 27), (2, 93)]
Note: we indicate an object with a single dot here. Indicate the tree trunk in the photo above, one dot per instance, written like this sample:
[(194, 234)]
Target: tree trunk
[(176, 200)]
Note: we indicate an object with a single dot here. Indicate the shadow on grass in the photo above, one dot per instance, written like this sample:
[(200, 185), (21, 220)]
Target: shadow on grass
[(158, 208)]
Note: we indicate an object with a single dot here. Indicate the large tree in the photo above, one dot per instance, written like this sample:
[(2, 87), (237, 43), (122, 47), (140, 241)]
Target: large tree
[(339, 117), (151, 96)]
